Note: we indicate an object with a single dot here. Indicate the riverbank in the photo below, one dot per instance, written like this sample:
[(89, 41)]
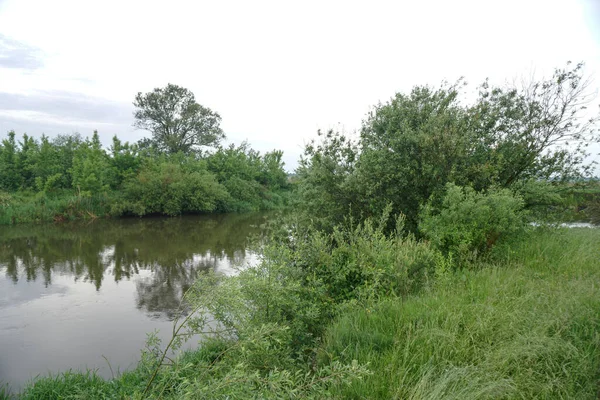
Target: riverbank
[(524, 322), (65, 205)]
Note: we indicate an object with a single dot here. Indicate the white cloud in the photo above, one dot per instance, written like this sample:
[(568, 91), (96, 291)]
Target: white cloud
[(277, 71)]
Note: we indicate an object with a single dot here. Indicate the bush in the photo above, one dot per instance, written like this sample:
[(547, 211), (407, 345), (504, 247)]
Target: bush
[(469, 223), (165, 188), (362, 262), (593, 211)]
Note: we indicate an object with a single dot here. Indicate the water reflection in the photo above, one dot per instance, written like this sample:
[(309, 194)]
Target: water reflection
[(164, 255), (73, 294)]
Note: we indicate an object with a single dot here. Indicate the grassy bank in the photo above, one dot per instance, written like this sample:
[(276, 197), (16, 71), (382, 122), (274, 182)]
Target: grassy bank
[(66, 205), (18, 208), (523, 324)]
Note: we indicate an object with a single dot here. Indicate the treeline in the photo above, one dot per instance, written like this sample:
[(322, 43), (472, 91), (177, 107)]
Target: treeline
[(71, 177)]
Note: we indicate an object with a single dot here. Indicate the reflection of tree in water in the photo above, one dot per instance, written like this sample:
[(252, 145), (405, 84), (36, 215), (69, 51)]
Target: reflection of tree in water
[(161, 294), (174, 250)]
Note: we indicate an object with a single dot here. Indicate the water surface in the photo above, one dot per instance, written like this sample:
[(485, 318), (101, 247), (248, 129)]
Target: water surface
[(71, 294)]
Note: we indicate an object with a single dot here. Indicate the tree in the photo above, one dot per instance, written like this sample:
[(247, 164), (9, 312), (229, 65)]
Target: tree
[(410, 148), (90, 167), (537, 130), (26, 159), (9, 174), (66, 146), (177, 122), (47, 167), (326, 173), (413, 145)]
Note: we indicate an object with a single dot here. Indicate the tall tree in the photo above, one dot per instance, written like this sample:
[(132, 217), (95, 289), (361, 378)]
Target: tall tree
[(177, 122), (10, 179), (413, 145)]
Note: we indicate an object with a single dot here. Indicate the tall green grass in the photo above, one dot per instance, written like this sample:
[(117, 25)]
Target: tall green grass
[(40, 207), (527, 325)]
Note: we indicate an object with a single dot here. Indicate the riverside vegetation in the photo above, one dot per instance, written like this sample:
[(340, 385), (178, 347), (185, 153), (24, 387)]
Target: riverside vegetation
[(181, 169), (408, 269)]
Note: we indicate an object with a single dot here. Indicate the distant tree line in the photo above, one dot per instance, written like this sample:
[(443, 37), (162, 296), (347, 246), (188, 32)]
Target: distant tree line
[(181, 168), (233, 178)]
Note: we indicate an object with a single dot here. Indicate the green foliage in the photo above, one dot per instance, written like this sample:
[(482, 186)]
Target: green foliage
[(326, 189), (163, 187), (525, 327), (177, 122), (410, 147), (413, 145), (26, 160), (134, 181), (68, 385), (4, 392), (89, 167), (242, 162), (593, 211), (537, 131), (124, 162), (468, 223), (271, 172), (358, 262), (5, 199), (10, 179), (52, 207)]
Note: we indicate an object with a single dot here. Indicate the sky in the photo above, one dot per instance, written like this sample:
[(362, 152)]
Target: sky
[(276, 71)]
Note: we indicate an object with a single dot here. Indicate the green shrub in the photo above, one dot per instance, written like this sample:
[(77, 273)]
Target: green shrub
[(469, 223), (363, 261), (5, 199), (165, 188), (526, 328), (593, 211)]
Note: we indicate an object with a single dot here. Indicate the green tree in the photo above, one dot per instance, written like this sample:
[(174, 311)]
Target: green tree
[(65, 146), (9, 174), (26, 161), (124, 162), (326, 174), (176, 120), (90, 167), (410, 147), (241, 161), (539, 130), (47, 168), (272, 173), (413, 145)]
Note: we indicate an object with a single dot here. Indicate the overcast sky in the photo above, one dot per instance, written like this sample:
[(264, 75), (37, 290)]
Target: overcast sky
[(276, 71)]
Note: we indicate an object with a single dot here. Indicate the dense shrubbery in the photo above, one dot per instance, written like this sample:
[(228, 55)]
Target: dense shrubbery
[(528, 139), (55, 180), (468, 223), (163, 187)]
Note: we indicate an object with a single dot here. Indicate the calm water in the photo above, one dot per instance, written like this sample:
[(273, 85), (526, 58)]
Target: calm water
[(71, 294)]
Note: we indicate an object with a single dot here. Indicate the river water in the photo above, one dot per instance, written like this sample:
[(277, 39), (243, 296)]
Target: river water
[(73, 294)]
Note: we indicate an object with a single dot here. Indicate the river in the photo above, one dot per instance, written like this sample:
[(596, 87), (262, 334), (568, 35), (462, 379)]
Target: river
[(72, 295)]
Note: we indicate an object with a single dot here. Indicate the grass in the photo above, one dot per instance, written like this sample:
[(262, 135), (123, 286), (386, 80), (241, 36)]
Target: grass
[(65, 205), (40, 207), (525, 326)]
